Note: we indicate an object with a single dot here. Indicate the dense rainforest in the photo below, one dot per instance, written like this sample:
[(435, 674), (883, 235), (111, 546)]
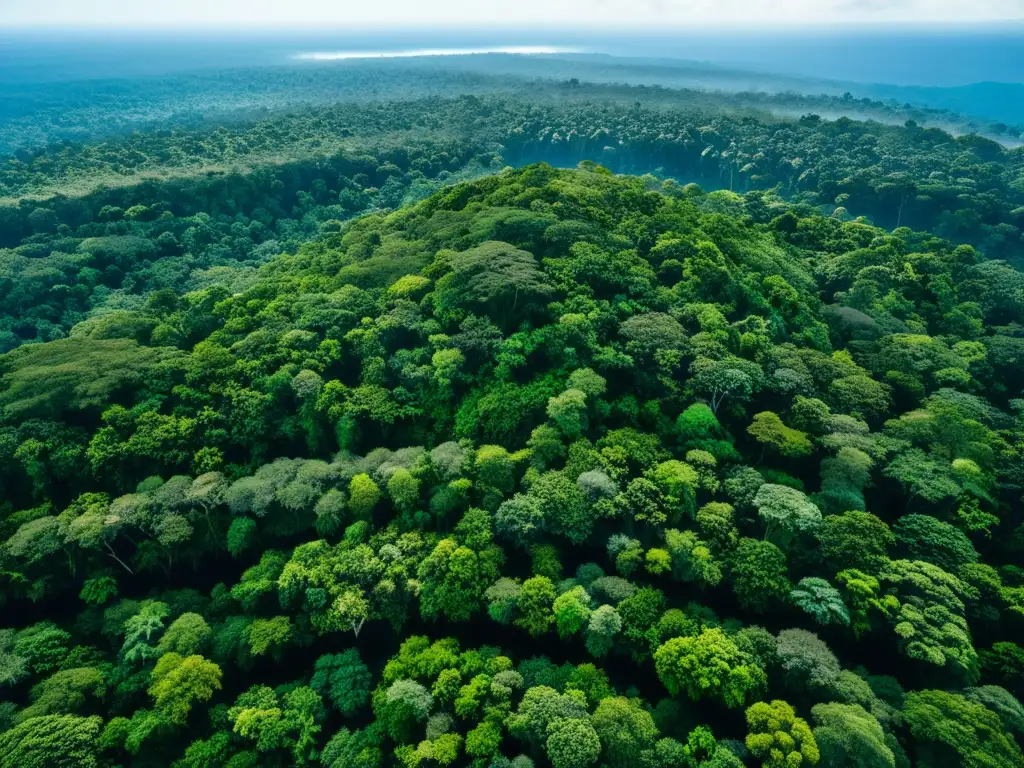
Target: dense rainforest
[(95, 227), (36, 113), (587, 430)]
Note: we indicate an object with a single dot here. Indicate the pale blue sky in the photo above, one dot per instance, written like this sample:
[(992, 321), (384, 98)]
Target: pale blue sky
[(612, 13)]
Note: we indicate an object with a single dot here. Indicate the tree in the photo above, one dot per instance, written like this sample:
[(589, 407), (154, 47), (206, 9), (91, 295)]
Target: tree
[(951, 730), (186, 635), (484, 740), (179, 682), (493, 279), (855, 540), (13, 669), (404, 705), (605, 624), (404, 489), (569, 412), (51, 741), (354, 749), (99, 590), (534, 605), (786, 512), (806, 659), (275, 722), (1004, 663), (36, 540), (540, 708), (65, 692), (697, 424), (778, 737), (690, 558), (592, 681), (678, 482), (572, 743), (922, 476), (922, 537), (717, 525), (863, 596), (640, 612), (471, 696), (860, 395), (758, 571), (494, 467), (363, 495), (821, 600), (929, 619), (48, 380), (265, 636), (502, 597), (657, 561), (653, 332), (520, 519), (730, 377), (709, 664), (588, 382), (344, 679), (351, 609), (565, 511), (767, 428), (572, 611), (626, 731), (1003, 703), (42, 645), (644, 502), (454, 579), (848, 736), (141, 629), (240, 536)]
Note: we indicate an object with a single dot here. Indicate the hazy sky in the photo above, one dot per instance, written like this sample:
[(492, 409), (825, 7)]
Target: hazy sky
[(515, 12)]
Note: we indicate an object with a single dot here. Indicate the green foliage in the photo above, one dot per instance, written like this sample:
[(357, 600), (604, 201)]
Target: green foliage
[(74, 374), (43, 646), (504, 282), (855, 540), (572, 610), (758, 570), (925, 538), (929, 619), (363, 495), (778, 738), (179, 682), (343, 679), (51, 741), (186, 635), (534, 605), (806, 660), (950, 729), (626, 730), (847, 735), (572, 743), (785, 511), (709, 664), (767, 428), (561, 362), (821, 600)]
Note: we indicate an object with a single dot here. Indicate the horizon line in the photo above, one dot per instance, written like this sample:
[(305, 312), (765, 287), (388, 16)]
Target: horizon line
[(668, 28)]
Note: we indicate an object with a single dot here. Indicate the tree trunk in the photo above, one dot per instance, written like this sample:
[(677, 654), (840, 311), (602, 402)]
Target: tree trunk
[(118, 560)]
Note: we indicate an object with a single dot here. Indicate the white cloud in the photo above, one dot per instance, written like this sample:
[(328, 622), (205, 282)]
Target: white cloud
[(521, 12)]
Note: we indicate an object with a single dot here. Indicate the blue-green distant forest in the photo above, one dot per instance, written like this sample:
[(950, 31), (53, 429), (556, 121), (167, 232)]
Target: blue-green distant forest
[(625, 408)]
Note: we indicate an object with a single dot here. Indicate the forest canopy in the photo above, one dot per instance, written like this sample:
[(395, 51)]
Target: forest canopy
[(397, 455)]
